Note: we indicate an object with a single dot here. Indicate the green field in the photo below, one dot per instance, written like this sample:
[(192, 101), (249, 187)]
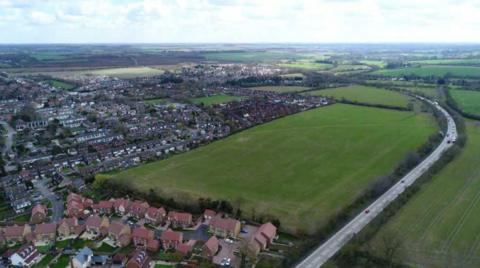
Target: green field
[(365, 94), (281, 89), (433, 70), (60, 84), (302, 168), (449, 62), (157, 101), (467, 100), (293, 75), (61, 262), (130, 72), (377, 63), (217, 99), (250, 56), (306, 65), (349, 68), (439, 225)]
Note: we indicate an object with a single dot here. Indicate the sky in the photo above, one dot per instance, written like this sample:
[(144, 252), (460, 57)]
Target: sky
[(239, 21)]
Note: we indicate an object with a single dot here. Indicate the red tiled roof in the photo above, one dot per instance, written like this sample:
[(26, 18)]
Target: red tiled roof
[(140, 258), (46, 228), (184, 248), (212, 245), (153, 245), (180, 216), (209, 213), (93, 221), (268, 229), (12, 231), (170, 235), (104, 204), (228, 224), (142, 232), (115, 227), (39, 208)]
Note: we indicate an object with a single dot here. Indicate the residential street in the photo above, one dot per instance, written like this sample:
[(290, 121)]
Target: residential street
[(57, 205), (325, 251), (9, 138)]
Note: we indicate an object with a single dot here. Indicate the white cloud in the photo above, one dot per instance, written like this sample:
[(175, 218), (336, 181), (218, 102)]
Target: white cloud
[(240, 21)]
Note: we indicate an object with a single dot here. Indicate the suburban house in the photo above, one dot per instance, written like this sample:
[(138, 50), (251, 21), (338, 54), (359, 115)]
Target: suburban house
[(155, 216), (17, 233), (262, 238), (138, 209), (103, 207), (26, 256), (140, 259), (153, 245), (141, 236), (119, 259), (179, 219), (120, 233), (76, 205), (45, 233), (39, 214), (186, 248), (69, 227), (96, 225), (225, 227), (121, 206), (171, 239), (208, 214), (210, 247), (83, 259)]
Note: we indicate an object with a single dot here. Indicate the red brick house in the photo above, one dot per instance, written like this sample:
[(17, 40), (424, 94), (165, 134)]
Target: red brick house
[(17, 233), (262, 238), (76, 205), (120, 233), (225, 227), (45, 232), (179, 219), (141, 236), (69, 227), (155, 216), (39, 214), (210, 247), (121, 206), (138, 209), (95, 225), (139, 259), (171, 239), (103, 207)]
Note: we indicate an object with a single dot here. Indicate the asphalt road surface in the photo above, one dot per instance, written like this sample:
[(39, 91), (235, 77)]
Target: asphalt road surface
[(9, 138), (57, 203), (325, 251)]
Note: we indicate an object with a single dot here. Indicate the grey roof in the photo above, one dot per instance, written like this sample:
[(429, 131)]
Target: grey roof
[(82, 255)]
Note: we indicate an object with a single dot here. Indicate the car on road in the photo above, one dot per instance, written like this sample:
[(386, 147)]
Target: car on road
[(367, 211), (225, 262)]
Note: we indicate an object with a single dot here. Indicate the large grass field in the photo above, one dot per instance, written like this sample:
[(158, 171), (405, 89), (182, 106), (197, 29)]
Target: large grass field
[(60, 84), (216, 99), (365, 94), (302, 168), (129, 72), (449, 62), (281, 89), (440, 224), (250, 56), (433, 70), (467, 100), (306, 65)]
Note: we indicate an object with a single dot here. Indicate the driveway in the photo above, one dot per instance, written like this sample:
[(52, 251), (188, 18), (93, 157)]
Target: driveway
[(227, 251)]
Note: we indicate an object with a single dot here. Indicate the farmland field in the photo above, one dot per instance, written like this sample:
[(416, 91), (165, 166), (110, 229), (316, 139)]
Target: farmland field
[(281, 89), (217, 99), (302, 168), (449, 62), (467, 100), (129, 72), (365, 94), (60, 84), (306, 65), (439, 225), (433, 70), (247, 56)]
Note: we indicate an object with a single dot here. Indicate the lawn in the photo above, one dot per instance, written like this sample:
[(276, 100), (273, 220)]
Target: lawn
[(130, 72), (433, 70), (105, 248), (377, 63), (467, 100), (61, 262), (306, 65), (217, 99), (44, 262), (281, 89), (439, 225), (60, 84), (75, 243), (365, 94), (157, 101), (302, 168)]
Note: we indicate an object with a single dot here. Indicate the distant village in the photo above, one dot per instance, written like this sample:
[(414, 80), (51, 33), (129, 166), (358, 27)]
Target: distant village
[(56, 140)]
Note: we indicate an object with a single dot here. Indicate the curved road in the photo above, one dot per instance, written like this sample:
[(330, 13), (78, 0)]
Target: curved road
[(325, 251), (9, 138)]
